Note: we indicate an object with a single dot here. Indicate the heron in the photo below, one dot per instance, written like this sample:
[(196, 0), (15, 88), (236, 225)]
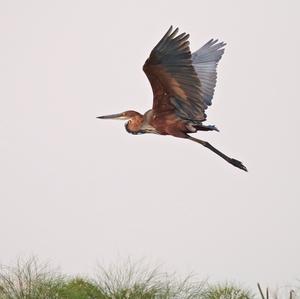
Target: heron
[(183, 85)]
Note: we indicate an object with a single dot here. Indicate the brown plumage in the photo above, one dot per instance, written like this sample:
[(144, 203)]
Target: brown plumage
[(183, 86)]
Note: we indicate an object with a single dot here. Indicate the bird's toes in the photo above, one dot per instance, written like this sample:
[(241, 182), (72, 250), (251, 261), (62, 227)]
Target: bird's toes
[(238, 164)]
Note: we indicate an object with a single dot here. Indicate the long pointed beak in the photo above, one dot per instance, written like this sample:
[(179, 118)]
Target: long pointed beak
[(113, 116)]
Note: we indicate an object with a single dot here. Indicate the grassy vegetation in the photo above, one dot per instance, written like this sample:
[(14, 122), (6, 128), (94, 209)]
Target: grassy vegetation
[(31, 279)]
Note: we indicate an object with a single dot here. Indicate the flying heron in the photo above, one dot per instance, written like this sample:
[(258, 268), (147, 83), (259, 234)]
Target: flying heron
[(183, 85)]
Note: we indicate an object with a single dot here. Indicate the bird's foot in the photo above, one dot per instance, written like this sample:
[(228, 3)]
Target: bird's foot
[(238, 164)]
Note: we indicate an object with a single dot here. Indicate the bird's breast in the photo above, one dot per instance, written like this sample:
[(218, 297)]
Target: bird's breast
[(147, 126)]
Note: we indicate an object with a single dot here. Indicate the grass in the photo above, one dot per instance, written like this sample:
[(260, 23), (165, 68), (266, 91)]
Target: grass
[(31, 279)]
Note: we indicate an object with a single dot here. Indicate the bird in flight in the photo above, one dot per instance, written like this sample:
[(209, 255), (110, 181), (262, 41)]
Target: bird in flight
[(183, 86)]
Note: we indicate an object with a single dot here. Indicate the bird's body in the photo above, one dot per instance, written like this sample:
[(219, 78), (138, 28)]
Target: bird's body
[(183, 86), (163, 124)]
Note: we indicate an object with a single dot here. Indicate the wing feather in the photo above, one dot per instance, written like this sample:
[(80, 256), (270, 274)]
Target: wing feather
[(181, 81), (205, 61)]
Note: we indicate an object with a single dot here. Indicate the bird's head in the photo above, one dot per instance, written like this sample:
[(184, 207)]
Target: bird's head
[(134, 118)]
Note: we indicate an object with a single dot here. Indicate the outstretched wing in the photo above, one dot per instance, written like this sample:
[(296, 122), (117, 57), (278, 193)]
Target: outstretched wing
[(205, 62), (174, 76)]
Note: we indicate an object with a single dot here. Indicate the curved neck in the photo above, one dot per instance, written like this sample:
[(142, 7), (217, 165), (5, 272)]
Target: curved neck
[(135, 123)]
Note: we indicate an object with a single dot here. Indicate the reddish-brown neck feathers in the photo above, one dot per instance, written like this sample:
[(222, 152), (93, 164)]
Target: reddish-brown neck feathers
[(135, 122)]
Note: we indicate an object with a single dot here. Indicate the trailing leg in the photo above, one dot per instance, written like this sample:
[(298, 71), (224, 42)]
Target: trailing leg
[(232, 161)]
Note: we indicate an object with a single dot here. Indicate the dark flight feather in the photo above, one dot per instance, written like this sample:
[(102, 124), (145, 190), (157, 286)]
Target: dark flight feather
[(188, 79)]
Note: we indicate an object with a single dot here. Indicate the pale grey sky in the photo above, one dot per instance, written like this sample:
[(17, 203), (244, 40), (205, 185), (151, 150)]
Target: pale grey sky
[(75, 189)]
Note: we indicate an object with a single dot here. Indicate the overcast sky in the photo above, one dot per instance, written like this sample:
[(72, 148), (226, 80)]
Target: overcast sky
[(76, 190)]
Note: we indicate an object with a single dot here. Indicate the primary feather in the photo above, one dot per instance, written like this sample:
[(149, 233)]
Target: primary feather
[(188, 79), (205, 61)]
